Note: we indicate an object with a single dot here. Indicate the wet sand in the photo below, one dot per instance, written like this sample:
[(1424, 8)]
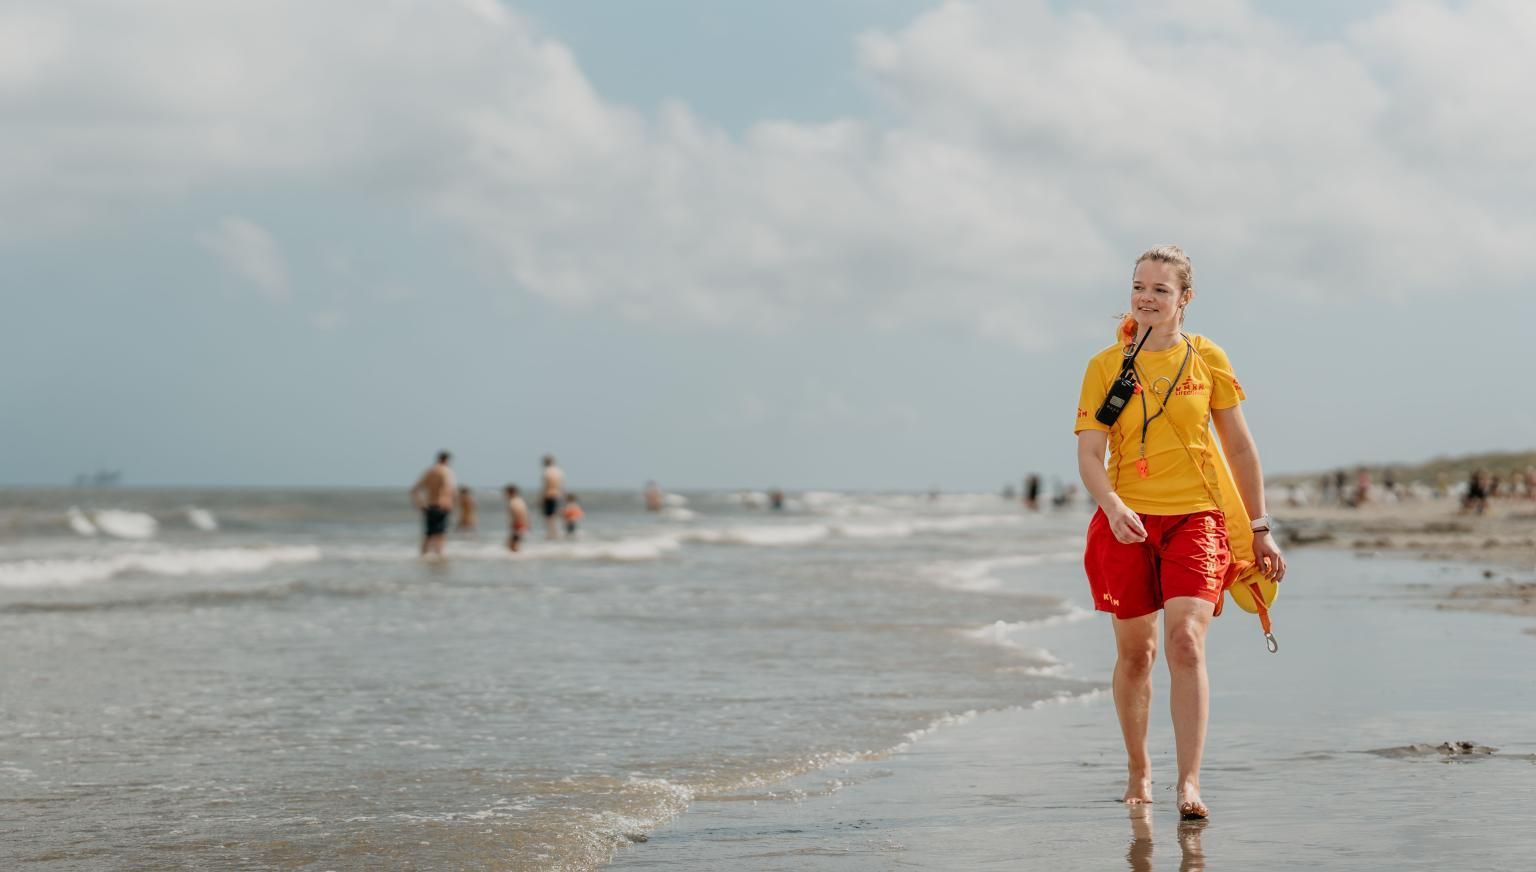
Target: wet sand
[(1502, 541), (1327, 755)]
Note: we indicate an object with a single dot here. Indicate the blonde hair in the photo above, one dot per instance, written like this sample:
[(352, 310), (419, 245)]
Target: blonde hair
[(1175, 257)]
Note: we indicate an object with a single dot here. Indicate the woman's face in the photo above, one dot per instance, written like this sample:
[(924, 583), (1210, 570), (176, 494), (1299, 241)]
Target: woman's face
[(1155, 294)]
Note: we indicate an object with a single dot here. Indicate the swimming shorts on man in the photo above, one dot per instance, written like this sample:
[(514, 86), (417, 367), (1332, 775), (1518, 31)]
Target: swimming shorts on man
[(551, 505), (1184, 555), (436, 520)]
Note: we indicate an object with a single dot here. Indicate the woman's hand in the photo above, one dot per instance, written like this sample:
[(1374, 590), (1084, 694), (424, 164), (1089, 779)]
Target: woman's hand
[(1125, 524), (1267, 554)]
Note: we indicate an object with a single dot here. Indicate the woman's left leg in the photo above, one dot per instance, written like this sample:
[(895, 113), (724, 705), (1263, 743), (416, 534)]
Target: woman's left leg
[(1185, 620)]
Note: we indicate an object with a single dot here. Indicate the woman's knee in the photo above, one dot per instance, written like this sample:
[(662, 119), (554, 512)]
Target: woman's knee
[(1137, 658), (1186, 648)]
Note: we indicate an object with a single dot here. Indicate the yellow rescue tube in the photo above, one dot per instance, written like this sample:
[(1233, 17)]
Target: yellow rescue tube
[(1244, 577)]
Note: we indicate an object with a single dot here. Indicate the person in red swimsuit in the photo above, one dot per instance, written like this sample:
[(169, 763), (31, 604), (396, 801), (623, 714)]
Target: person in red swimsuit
[(1158, 542)]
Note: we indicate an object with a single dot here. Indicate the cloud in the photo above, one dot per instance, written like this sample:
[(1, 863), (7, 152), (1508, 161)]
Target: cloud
[(252, 255), (1022, 156)]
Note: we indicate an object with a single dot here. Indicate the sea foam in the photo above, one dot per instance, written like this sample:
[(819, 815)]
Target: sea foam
[(208, 561), (79, 522), (126, 525), (202, 519), (761, 535)]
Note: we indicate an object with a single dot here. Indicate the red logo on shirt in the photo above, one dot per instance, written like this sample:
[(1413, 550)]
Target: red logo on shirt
[(1237, 384), (1190, 386), (1082, 413)]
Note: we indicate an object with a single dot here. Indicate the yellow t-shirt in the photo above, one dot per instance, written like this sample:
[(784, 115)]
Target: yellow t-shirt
[(1178, 481)]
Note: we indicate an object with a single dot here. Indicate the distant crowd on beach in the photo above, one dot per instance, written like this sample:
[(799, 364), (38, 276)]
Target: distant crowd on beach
[(1364, 487), (438, 496)]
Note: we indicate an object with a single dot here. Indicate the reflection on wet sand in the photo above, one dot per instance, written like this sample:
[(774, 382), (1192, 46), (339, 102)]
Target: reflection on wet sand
[(1189, 843), (1139, 855)]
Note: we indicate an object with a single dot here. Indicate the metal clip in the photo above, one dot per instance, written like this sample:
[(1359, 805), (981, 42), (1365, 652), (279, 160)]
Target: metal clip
[(1271, 644)]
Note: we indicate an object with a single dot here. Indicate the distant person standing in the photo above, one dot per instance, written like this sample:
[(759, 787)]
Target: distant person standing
[(573, 514), (432, 495), (776, 499), (1476, 499), (1032, 492), (554, 489), (469, 513), (653, 497), (517, 516)]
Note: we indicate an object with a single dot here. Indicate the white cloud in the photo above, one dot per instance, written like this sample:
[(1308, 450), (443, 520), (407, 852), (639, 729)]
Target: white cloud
[(1025, 156), (251, 254)]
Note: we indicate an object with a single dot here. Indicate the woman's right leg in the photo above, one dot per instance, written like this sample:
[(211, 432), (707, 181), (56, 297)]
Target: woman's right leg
[(1136, 651)]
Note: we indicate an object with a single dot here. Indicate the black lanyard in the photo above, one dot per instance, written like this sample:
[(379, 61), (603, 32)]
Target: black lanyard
[(1141, 464)]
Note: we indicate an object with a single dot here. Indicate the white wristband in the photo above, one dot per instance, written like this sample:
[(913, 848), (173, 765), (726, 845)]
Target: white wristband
[(1262, 522)]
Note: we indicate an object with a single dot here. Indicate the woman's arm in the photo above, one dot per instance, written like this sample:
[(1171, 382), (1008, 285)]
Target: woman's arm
[(1124, 523), (1243, 457)]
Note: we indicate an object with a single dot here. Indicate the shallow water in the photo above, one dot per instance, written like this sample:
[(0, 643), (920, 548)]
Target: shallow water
[(273, 680)]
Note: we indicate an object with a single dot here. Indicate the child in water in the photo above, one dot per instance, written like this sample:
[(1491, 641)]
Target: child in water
[(573, 513), (517, 513), (469, 515)]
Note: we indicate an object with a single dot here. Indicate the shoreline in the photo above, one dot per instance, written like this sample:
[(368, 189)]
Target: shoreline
[(1301, 750), (1502, 541)]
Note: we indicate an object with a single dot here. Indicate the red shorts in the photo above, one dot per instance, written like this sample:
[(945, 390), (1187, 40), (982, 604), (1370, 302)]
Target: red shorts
[(1184, 555)]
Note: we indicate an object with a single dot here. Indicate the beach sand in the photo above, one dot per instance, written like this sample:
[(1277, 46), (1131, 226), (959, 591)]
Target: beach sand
[(1328, 755), (1502, 541)]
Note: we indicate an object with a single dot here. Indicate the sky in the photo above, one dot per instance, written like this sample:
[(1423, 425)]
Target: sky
[(836, 244)]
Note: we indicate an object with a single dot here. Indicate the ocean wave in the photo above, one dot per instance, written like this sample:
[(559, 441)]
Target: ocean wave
[(977, 575), (206, 561), (79, 522), (886, 530), (202, 519), (1000, 633), (760, 535), (626, 550), (1013, 635), (125, 524)]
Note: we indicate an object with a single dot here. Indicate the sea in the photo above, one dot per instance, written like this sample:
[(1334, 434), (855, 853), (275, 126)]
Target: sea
[(265, 679)]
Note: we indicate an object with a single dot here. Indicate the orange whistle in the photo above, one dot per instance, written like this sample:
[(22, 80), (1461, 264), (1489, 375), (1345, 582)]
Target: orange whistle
[(1141, 467), (1136, 390)]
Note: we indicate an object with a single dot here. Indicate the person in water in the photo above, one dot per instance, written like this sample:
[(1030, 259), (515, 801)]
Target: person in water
[(469, 514), (517, 516), (432, 495), (572, 514), (554, 490), (1158, 542)]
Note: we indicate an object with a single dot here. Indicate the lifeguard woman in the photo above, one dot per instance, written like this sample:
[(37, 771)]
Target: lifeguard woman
[(1158, 541)]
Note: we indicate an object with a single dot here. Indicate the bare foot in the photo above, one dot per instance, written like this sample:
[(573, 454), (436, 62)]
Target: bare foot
[(1190, 806), (1138, 790)]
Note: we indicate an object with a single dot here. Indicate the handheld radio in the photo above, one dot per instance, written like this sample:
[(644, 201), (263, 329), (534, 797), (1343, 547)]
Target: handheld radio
[(1123, 387)]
